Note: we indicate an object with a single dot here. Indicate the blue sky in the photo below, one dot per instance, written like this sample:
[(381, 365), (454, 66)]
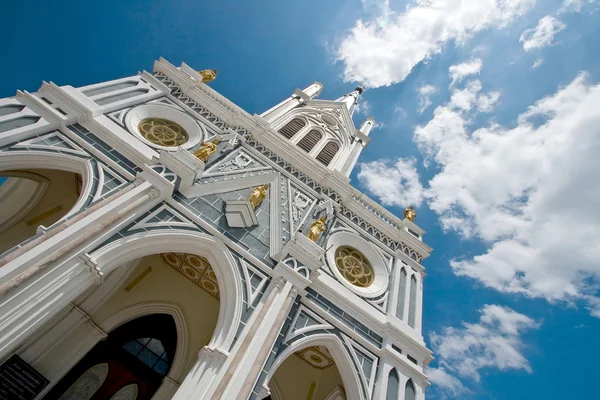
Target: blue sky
[(489, 123)]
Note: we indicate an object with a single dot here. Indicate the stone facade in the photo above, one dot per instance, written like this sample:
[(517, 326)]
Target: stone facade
[(271, 293)]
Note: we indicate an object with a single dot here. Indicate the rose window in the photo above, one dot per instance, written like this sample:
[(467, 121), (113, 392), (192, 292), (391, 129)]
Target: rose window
[(354, 266), (163, 132)]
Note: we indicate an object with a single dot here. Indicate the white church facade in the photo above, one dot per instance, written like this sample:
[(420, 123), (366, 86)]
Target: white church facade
[(159, 242)]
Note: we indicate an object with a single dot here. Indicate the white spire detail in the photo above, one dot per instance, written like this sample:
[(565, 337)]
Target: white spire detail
[(351, 99)]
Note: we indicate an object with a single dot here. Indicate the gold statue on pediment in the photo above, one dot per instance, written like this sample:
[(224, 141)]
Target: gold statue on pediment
[(208, 75), (206, 149), (258, 195), (316, 229), (410, 214)]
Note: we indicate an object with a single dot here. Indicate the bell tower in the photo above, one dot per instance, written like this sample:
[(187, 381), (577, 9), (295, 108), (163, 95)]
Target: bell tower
[(323, 129)]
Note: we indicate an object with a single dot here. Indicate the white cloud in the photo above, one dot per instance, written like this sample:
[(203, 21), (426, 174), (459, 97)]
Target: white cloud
[(393, 183), (574, 5), (384, 50), (424, 92), (529, 191), (486, 102), (493, 342), (461, 71), (447, 383), (362, 107), (537, 63), (543, 34)]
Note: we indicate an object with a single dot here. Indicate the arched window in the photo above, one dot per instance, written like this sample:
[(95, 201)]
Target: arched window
[(401, 294), (326, 155), (10, 109), (130, 364), (87, 384), (309, 141), (151, 352), (392, 386), (409, 391), (292, 127), (17, 123), (412, 302)]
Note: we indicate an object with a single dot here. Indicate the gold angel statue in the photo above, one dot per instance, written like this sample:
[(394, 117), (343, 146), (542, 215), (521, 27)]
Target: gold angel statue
[(208, 75), (316, 228), (410, 214), (258, 195), (206, 150)]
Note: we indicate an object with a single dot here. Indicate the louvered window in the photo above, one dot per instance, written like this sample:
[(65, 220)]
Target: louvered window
[(309, 140), (292, 127), (328, 152)]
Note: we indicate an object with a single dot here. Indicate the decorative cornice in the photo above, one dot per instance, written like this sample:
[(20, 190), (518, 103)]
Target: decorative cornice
[(355, 205)]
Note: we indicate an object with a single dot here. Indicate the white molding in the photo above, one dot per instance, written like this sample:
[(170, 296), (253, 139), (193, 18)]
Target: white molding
[(321, 323), (195, 131), (145, 224), (380, 268), (27, 159), (353, 346), (218, 255), (338, 352), (14, 187), (31, 143), (179, 364), (253, 294)]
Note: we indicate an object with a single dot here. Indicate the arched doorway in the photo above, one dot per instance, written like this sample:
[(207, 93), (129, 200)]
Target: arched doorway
[(33, 197), (129, 364), (317, 366), (310, 373)]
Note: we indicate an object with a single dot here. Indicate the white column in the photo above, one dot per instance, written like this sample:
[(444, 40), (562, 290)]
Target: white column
[(166, 390), (382, 382), (45, 288), (419, 308), (409, 273), (201, 378), (358, 146), (252, 350), (393, 300)]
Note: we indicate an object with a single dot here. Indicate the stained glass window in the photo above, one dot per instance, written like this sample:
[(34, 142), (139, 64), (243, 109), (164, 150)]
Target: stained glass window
[(163, 132), (151, 352)]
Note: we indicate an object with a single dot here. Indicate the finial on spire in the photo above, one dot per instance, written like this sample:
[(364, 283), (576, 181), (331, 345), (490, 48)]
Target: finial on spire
[(351, 99)]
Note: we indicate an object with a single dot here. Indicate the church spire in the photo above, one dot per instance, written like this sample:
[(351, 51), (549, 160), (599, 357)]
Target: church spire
[(351, 99)]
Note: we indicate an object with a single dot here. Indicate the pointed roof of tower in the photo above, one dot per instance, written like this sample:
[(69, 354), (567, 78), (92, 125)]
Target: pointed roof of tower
[(351, 99)]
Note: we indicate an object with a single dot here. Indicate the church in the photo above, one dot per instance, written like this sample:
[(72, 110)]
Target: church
[(159, 242)]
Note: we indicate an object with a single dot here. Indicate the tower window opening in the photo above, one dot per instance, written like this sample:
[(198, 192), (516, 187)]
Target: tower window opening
[(329, 151), (292, 127), (310, 140)]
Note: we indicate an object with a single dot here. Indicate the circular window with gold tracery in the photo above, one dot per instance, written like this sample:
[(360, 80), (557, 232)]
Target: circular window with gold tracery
[(163, 132), (354, 266)]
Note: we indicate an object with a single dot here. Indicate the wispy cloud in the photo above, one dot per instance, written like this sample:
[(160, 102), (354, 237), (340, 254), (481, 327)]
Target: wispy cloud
[(394, 183), (425, 92), (492, 342), (543, 34), (383, 51), (537, 63), (461, 71)]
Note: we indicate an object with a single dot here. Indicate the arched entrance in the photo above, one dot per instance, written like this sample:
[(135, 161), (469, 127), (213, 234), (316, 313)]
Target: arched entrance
[(315, 367), (173, 272), (33, 197), (129, 364), (39, 188)]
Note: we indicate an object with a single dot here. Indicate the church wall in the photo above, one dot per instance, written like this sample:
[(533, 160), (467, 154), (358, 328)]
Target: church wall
[(176, 191)]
